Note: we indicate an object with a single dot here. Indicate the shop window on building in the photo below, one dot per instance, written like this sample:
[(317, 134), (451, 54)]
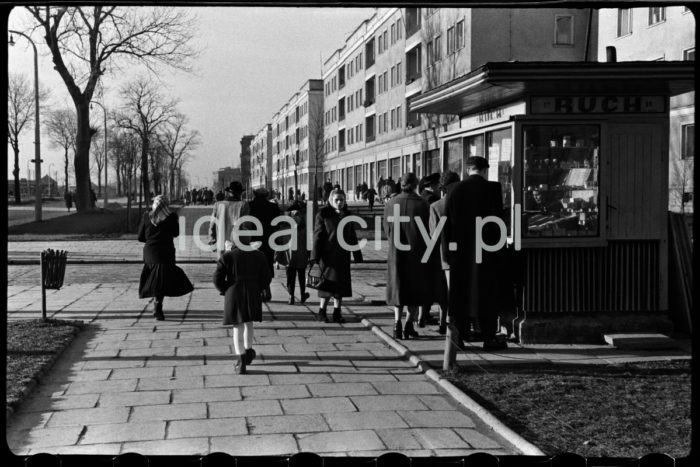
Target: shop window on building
[(656, 15), (413, 64), (413, 21), (369, 128), (560, 186), (563, 30), (688, 141), (689, 54), (624, 21)]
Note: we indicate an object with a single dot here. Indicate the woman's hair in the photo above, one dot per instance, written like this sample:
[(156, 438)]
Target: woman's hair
[(334, 192), (408, 182)]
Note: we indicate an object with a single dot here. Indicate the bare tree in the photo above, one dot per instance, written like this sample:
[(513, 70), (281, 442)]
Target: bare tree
[(144, 111), (177, 142), (125, 149), (88, 42), (20, 112), (681, 182), (316, 145), (61, 128), (98, 159)]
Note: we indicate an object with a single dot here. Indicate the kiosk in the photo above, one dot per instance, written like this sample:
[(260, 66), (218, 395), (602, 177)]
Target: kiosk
[(581, 151)]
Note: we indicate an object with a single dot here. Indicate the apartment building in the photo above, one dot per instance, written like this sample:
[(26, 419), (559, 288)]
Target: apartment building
[(245, 155), (399, 53), (296, 140), (668, 34), (261, 158)]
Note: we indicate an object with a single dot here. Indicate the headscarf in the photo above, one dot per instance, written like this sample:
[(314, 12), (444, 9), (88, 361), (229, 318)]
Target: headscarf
[(160, 210)]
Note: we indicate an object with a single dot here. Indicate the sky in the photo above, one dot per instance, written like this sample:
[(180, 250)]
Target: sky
[(253, 60)]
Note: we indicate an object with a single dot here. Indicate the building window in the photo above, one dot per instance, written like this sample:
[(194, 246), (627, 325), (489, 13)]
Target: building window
[(393, 33), (369, 92), (341, 109), (399, 29), (393, 118), (459, 35), (413, 21), (380, 44), (689, 54), (563, 30), (412, 118), (398, 73), (450, 40), (429, 53), (688, 141), (369, 54), (624, 21), (386, 40), (438, 48), (369, 128), (657, 15)]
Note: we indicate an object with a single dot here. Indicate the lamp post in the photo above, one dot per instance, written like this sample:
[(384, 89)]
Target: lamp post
[(49, 180), (105, 113), (37, 133)]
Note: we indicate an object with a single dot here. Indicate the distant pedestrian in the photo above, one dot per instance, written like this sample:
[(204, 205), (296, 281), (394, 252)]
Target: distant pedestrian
[(370, 197), (68, 197), (408, 276), (242, 276), (93, 196), (219, 195), (224, 214), (188, 197), (332, 257), (298, 254), (160, 276)]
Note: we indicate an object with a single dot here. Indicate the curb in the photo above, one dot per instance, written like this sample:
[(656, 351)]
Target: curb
[(517, 441)]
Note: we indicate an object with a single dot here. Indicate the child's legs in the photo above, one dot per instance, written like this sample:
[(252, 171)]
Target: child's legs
[(290, 279), (301, 274), (337, 302), (411, 312), (397, 313), (238, 347), (248, 335), (323, 303)]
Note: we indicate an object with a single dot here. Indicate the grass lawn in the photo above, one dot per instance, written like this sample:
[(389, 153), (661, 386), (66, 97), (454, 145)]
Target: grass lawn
[(625, 410), (31, 348), (99, 223)]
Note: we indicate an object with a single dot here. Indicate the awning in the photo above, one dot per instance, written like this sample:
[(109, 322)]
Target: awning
[(497, 83)]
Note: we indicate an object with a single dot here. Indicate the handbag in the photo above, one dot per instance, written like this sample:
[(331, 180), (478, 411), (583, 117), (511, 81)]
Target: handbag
[(314, 278)]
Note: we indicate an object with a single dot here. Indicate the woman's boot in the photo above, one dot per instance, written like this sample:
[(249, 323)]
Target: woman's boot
[(322, 316), (158, 312), (398, 332), (249, 355), (408, 330), (336, 316), (240, 364)]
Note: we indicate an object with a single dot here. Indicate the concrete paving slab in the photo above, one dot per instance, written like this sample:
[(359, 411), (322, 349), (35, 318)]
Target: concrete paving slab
[(439, 438), (231, 409), (255, 445), (217, 381), (94, 416), (123, 432), (287, 424), (316, 405), (364, 420), (405, 387), (387, 402), (49, 404), (180, 396), (142, 372), (184, 411), (345, 389), (476, 440), (102, 386), (305, 378), (399, 439), (362, 440), (176, 447), (39, 438), (207, 428), (136, 398), (287, 391), (151, 384)]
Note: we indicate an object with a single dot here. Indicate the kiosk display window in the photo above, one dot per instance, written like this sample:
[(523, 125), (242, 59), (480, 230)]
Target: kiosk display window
[(560, 183)]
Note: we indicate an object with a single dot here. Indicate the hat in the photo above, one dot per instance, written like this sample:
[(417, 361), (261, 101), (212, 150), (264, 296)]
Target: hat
[(261, 191), (448, 177), (235, 187), (479, 163)]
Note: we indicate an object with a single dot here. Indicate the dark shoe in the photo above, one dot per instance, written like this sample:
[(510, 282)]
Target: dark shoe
[(442, 329), (495, 345), (337, 318), (398, 332), (408, 330), (240, 364), (322, 316), (158, 312), (291, 300), (249, 355), (304, 297)]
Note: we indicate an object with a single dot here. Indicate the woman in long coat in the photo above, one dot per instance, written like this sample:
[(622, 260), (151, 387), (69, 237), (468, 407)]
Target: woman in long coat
[(409, 278), (333, 259), (241, 276), (160, 276)]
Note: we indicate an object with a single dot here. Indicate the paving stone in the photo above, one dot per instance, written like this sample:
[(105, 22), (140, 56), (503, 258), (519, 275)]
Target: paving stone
[(135, 373), (206, 395), (124, 432), (152, 336), (200, 369), (360, 377), (230, 409), (192, 382), (456, 452), (476, 439), (387, 402), (255, 445), (264, 368), (207, 427), (149, 352), (364, 420), (317, 405), (178, 343), (405, 387), (136, 398), (287, 391), (47, 404), (91, 449), (296, 378), (224, 350), (113, 363), (235, 380), (436, 418), (439, 438), (156, 361), (398, 439), (345, 389), (102, 386), (186, 411), (94, 416), (287, 424), (438, 402), (294, 347), (407, 452), (180, 447), (42, 437), (340, 441)]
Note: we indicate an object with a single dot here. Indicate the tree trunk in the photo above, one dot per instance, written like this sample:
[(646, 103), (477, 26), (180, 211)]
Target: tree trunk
[(15, 172), (145, 182), (65, 170), (81, 161)]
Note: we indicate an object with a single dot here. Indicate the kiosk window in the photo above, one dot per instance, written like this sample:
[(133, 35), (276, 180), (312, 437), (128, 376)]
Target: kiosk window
[(560, 184), (500, 151)]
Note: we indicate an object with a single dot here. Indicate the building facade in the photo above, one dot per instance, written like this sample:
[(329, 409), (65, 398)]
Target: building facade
[(261, 159), (297, 141), (399, 53), (245, 160), (224, 176), (668, 34)]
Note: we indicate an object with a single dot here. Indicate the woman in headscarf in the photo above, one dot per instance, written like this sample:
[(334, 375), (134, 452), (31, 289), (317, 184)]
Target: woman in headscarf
[(160, 276), (329, 253)]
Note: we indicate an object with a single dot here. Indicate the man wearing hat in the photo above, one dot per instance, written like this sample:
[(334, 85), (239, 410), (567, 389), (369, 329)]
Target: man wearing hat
[(224, 215), (474, 286), (428, 187)]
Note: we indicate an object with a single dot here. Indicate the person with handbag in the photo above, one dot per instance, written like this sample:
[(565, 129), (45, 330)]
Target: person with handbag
[(242, 276), (328, 253), (297, 256)]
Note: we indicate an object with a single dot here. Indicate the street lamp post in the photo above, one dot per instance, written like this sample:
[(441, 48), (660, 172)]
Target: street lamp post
[(105, 159), (37, 133), (49, 180)]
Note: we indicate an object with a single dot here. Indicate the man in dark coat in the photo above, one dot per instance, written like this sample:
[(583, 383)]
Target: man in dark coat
[(474, 286), (428, 188), (408, 275), (264, 211)]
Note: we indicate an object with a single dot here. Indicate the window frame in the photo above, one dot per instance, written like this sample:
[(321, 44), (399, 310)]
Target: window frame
[(686, 130), (661, 15), (629, 22), (557, 29)]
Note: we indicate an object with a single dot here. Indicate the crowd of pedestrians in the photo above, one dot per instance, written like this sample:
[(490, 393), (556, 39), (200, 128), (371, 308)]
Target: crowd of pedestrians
[(203, 196), (470, 293)]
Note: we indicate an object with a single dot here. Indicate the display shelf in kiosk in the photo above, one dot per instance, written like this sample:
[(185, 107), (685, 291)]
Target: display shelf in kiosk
[(581, 151)]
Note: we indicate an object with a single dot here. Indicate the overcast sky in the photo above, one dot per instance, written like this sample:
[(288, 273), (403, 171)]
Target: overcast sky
[(254, 59)]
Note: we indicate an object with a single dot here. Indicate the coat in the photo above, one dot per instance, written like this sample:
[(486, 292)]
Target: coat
[(241, 276), (473, 287), (409, 280), (264, 211), (224, 214), (333, 259), (159, 247)]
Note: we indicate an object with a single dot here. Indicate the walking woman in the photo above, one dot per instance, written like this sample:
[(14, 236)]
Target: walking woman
[(160, 276), (298, 255), (242, 276), (330, 255)]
